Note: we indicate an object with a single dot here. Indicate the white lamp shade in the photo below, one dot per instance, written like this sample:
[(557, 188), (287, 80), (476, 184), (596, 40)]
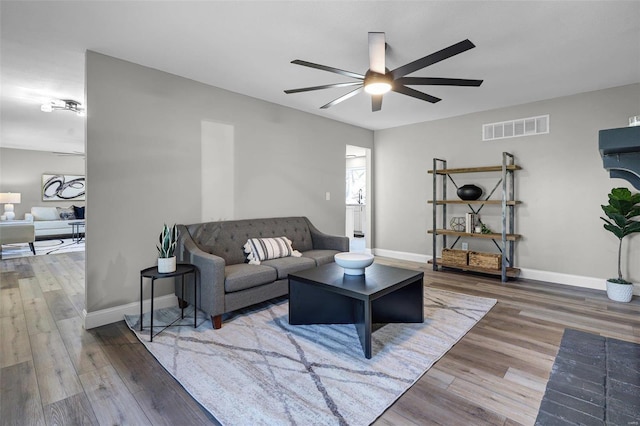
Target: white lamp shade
[(9, 198)]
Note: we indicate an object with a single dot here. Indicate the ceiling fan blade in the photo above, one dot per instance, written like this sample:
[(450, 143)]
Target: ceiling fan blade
[(377, 53), (326, 86), (414, 93), (330, 69), (433, 58), (433, 81), (376, 103), (342, 98)]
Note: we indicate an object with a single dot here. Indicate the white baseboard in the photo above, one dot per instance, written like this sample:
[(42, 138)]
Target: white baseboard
[(566, 279), (532, 274), (117, 313), (402, 255)]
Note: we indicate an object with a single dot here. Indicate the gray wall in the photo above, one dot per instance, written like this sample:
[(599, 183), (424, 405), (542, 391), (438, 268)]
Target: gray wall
[(21, 171), (562, 184), (143, 165)]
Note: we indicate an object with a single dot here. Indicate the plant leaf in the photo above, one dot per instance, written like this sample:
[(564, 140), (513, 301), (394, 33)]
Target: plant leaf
[(619, 219), (632, 228), (634, 212), (615, 230), (620, 194)]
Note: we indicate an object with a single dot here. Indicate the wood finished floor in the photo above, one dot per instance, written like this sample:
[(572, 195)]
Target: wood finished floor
[(53, 372)]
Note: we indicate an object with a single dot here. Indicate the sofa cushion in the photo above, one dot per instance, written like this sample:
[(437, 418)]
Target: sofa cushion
[(288, 265), (53, 224), (261, 249), (45, 213), (226, 239), (321, 257), (243, 276)]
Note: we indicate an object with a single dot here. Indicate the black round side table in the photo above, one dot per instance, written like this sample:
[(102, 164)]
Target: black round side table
[(182, 269)]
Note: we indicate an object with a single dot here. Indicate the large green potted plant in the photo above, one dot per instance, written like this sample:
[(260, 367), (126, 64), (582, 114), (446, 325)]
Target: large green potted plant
[(623, 207), (168, 240)]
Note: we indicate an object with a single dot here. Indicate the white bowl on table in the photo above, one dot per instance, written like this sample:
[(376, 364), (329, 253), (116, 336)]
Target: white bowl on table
[(353, 263)]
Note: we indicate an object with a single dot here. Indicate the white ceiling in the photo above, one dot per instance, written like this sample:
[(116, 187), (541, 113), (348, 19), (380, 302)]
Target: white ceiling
[(526, 51)]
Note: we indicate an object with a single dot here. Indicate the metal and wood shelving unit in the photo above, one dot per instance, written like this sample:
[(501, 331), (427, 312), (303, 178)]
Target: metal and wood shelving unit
[(504, 240)]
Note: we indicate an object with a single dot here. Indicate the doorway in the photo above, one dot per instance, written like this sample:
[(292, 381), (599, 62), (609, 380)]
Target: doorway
[(357, 198)]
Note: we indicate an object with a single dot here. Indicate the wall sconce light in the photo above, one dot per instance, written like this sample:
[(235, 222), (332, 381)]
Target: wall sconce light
[(9, 199), (63, 105)]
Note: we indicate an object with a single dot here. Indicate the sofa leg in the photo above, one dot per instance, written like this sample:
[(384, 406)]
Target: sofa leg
[(216, 321), (182, 303), (33, 249)]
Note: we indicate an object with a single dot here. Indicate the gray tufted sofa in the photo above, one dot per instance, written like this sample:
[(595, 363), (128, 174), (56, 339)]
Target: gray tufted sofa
[(227, 281)]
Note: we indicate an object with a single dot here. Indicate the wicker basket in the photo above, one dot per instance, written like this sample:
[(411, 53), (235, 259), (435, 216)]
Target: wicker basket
[(485, 260), (455, 257)]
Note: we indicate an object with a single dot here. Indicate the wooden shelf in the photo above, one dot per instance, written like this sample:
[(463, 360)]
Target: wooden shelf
[(475, 169), (511, 272), (494, 236), (498, 202), (506, 242)]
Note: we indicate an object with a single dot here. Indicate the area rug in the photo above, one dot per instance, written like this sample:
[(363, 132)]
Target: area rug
[(44, 247), (259, 370), (594, 380)]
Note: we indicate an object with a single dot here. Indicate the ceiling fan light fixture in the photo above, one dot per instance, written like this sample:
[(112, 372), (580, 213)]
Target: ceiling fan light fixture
[(377, 88), (379, 80), (63, 105), (377, 84)]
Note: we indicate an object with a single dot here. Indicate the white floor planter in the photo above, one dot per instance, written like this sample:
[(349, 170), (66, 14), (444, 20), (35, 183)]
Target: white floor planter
[(619, 292), (166, 264)]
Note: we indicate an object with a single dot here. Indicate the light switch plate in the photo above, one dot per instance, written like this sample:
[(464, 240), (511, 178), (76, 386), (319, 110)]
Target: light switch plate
[(327, 196)]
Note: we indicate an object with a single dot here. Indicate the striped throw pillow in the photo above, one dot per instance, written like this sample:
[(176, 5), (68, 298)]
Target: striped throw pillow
[(259, 249)]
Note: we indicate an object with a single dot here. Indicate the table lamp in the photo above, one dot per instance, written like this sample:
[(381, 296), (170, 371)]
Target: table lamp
[(9, 199)]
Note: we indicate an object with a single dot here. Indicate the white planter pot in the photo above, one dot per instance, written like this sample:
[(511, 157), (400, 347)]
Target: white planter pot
[(619, 292), (166, 264)]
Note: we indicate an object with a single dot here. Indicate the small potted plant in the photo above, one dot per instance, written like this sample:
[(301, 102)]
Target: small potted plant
[(622, 208), (166, 259)]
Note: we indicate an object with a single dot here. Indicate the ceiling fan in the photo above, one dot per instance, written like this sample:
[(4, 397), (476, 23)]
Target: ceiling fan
[(379, 80)]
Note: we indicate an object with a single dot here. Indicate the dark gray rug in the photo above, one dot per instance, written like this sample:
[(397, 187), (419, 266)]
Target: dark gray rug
[(595, 380)]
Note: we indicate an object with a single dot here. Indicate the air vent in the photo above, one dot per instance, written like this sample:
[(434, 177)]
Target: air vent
[(516, 128)]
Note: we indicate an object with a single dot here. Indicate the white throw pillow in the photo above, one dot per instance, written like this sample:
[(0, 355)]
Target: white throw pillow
[(45, 213), (259, 249)]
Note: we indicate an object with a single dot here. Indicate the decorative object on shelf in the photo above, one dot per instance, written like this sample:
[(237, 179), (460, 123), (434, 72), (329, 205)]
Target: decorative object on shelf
[(9, 199), (353, 263), (484, 229), (485, 260), (457, 223), (469, 192), (166, 259), (63, 105), (622, 208), (470, 222), (455, 257), (63, 187)]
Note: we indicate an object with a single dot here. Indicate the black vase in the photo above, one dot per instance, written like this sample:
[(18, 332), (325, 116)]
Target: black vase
[(469, 192)]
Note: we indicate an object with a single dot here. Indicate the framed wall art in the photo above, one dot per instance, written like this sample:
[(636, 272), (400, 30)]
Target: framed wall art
[(63, 187)]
